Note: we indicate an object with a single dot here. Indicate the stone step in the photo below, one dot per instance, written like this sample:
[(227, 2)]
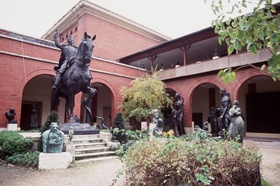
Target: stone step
[(92, 155), (77, 140), (91, 150), (89, 145), (96, 159), (90, 136)]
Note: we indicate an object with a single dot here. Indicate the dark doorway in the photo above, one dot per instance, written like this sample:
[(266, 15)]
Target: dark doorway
[(263, 112), (197, 119), (31, 115)]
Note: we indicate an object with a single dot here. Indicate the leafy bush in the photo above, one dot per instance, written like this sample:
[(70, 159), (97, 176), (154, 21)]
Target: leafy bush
[(12, 142), (119, 121), (29, 158), (53, 117), (191, 160), (123, 135)]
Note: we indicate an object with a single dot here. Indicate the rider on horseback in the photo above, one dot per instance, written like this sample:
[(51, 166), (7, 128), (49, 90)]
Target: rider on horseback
[(68, 53)]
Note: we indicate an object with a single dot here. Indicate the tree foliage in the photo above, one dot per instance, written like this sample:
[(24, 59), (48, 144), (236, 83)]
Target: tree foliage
[(142, 95), (248, 24)]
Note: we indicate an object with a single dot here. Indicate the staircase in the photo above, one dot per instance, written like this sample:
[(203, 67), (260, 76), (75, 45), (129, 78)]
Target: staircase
[(87, 148)]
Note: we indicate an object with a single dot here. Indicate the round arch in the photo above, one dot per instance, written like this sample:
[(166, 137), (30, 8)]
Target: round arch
[(35, 101), (243, 79), (189, 96), (258, 96), (19, 89), (108, 110)]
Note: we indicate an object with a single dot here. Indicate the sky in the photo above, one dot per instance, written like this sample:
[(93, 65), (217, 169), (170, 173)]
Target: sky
[(173, 19)]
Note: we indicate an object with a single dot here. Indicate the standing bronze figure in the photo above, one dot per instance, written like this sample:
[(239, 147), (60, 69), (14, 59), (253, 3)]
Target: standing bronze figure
[(76, 78), (224, 109), (214, 122), (178, 114), (236, 128)]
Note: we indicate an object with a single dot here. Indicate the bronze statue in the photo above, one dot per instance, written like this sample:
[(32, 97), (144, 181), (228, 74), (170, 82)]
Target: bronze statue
[(34, 117), (53, 139), (76, 79), (71, 134), (155, 114), (158, 130), (102, 125), (10, 115), (224, 109), (236, 128), (68, 53), (214, 122), (178, 114)]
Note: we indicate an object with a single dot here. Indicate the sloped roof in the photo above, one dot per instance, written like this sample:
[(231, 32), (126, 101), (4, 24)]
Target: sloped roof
[(84, 6)]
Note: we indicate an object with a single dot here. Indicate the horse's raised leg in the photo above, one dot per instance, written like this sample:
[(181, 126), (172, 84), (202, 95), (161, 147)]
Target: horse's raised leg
[(91, 92)]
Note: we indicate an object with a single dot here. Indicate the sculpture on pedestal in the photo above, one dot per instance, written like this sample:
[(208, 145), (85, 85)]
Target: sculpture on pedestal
[(53, 139), (73, 77), (178, 114), (158, 130), (214, 122), (236, 128), (76, 78), (155, 114), (10, 115), (34, 117), (224, 109)]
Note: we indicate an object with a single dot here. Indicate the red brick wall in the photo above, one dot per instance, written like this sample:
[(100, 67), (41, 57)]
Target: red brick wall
[(16, 71), (113, 41), (186, 86)]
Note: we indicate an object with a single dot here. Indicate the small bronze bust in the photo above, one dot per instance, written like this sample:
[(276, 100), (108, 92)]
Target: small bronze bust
[(10, 115)]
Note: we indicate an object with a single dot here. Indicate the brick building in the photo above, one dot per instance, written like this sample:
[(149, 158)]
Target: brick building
[(125, 50)]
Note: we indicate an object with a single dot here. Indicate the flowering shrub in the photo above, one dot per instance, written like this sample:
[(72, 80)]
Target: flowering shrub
[(193, 161)]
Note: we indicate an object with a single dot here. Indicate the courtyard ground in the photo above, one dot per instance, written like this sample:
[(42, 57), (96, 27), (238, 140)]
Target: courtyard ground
[(102, 173)]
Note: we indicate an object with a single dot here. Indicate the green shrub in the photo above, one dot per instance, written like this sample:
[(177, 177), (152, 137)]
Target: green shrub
[(12, 142), (123, 135), (53, 117), (119, 121), (29, 159), (191, 160)]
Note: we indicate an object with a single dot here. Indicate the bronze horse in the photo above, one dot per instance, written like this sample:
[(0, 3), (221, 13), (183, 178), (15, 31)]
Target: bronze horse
[(76, 79)]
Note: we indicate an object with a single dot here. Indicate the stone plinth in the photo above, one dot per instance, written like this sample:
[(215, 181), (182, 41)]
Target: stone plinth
[(79, 128), (70, 148), (12, 127), (54, 160)]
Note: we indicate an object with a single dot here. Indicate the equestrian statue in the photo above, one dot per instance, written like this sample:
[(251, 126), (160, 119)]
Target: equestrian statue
[(73, 75)]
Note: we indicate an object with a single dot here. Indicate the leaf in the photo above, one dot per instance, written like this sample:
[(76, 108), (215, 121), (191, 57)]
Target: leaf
[(263, 67), (220, 73), (230, 48)]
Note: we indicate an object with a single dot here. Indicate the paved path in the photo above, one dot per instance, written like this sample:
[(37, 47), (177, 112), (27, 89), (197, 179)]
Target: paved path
[(270, 166)]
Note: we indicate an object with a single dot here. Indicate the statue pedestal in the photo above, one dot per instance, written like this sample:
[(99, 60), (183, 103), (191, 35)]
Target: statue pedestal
[(151, 129), (144, 125), (70, 148), (54, 160), (12, 127), (79, 128)]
